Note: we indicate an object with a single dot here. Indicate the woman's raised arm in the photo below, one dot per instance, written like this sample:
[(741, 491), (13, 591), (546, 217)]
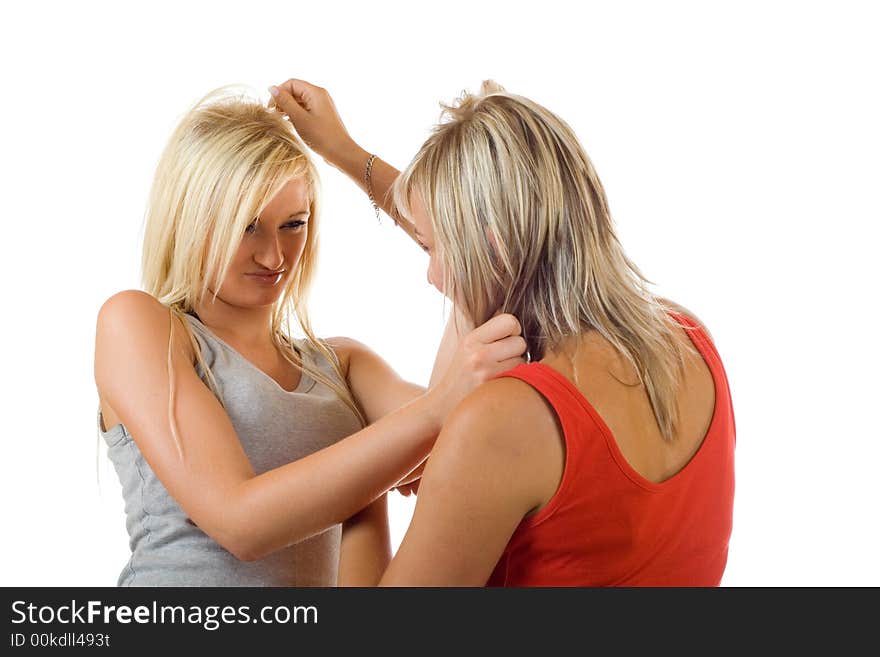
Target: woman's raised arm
[(313, 114)]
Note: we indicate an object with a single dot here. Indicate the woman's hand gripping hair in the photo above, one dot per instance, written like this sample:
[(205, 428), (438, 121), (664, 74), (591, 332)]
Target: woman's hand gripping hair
[(313, 114)]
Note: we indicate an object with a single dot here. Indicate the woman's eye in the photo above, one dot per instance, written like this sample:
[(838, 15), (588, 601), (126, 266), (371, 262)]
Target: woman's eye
[(251, 227), (295, 225)]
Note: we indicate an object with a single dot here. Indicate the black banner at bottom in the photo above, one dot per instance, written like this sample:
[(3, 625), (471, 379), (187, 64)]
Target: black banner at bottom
[(526, 620)]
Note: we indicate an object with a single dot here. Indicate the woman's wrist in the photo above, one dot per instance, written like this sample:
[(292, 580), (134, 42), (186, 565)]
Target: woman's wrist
[(372, 174), (431, 407), (351, 160)]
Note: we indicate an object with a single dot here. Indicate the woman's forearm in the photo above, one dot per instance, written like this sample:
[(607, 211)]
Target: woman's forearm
[(352, 161), (295, 501), (205, 468), (313, 114)]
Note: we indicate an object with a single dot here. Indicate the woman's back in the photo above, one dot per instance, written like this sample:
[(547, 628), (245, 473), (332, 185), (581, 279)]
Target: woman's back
[(628, 508), (611, 386)]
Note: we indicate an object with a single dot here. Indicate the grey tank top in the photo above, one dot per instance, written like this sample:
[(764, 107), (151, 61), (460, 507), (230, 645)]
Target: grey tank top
[(275, 427)]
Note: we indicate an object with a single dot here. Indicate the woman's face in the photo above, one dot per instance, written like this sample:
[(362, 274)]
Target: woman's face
[(270, 249), (425, 234)]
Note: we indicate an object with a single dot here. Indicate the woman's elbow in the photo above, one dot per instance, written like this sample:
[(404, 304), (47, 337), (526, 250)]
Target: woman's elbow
[(245, 547), (236, 543), (238, 537)]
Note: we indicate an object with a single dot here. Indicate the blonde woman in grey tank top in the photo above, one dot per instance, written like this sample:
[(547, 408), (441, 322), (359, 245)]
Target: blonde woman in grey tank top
[(248, 457)]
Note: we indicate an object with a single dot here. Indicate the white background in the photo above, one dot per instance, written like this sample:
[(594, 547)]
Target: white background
[(738, 144)]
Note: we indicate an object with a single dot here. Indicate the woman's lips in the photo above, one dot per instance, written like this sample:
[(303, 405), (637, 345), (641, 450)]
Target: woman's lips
[(267, 279)]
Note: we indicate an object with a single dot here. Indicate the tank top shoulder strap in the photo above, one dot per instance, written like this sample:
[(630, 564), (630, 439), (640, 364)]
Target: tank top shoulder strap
[(546, 380), (706, 346), (585, 446), (698, 335), (574, 412)]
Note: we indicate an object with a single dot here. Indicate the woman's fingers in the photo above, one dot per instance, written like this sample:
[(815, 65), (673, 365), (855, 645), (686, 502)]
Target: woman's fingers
[(493, 345), (312, 112), (513, 346), (485, 352), (286, 101), (302, 92), (502, 355), (497, 328)]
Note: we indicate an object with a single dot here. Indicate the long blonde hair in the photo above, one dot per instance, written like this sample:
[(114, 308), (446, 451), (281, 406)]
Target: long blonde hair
[(227, 158), (522, 226)]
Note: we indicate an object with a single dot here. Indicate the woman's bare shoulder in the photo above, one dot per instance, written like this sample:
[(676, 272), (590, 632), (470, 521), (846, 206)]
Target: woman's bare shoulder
[(681, 310), (344, 348), (139, 316), (505, 414), (505, 431), (353, 353), (130, 305)]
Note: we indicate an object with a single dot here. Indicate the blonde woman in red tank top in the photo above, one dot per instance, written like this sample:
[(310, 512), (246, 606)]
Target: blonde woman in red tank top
[(607, 458)]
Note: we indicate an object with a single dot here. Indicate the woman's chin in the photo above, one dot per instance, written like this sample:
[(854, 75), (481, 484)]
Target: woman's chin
[(253, 301), (264, 295)]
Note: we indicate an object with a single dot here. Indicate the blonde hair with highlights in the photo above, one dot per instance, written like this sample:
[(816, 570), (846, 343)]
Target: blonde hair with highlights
[(225, 161), (522, 226)]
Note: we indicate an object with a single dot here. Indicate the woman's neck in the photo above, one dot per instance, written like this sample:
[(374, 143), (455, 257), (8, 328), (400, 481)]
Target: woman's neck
[(243, 326), (585, 351)]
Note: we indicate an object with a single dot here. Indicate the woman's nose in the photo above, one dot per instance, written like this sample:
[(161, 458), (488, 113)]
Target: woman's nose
[(270, 255)]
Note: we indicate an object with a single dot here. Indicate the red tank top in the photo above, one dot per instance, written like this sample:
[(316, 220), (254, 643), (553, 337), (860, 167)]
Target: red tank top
[(607, 525)]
